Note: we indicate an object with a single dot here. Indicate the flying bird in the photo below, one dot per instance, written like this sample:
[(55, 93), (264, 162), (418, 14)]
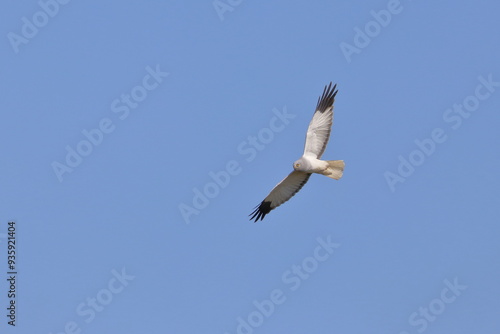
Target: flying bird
[(317, 137)]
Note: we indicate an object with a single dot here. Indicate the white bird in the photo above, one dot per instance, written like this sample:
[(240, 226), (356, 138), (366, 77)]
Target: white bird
[(317, 137)]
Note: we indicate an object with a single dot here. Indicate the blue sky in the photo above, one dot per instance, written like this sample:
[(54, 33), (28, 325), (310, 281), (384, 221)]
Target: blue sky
[(137, 137)]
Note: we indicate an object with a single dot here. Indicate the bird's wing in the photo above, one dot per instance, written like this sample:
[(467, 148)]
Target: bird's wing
[(283, 191), (320, 127)]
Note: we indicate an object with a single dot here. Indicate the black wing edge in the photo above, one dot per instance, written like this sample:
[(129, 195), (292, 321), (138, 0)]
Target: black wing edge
[(260, 211), (264, 207), (326, 100)]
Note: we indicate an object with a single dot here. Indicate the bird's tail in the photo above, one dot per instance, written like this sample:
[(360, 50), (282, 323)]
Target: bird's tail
[(335, 169)]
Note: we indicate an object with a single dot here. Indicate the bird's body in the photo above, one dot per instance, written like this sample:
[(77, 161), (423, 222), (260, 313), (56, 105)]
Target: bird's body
[(312, 165), (317, 138)]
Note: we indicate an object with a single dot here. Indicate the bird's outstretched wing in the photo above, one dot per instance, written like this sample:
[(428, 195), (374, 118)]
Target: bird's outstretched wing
[(320, 127), (283, 191)]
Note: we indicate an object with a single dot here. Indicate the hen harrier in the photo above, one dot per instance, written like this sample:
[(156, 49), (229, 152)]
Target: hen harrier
[(317, 137)]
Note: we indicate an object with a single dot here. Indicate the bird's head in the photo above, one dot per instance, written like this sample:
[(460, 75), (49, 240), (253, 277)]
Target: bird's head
[(300, 165)]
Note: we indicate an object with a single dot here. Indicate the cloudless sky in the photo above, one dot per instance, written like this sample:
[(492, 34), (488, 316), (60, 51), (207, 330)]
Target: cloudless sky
[(138, 136)]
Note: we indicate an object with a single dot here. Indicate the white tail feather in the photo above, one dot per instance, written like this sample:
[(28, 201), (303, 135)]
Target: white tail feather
[(335, 169)]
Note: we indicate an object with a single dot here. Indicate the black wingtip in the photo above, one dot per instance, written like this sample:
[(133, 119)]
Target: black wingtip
[(326, 100), (260, 211)]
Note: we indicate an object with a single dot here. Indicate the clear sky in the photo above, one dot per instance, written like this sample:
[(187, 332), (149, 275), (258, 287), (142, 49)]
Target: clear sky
[(138, 136)]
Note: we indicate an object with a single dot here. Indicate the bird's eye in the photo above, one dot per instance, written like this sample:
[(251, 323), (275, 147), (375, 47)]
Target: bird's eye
[(297, 165)]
